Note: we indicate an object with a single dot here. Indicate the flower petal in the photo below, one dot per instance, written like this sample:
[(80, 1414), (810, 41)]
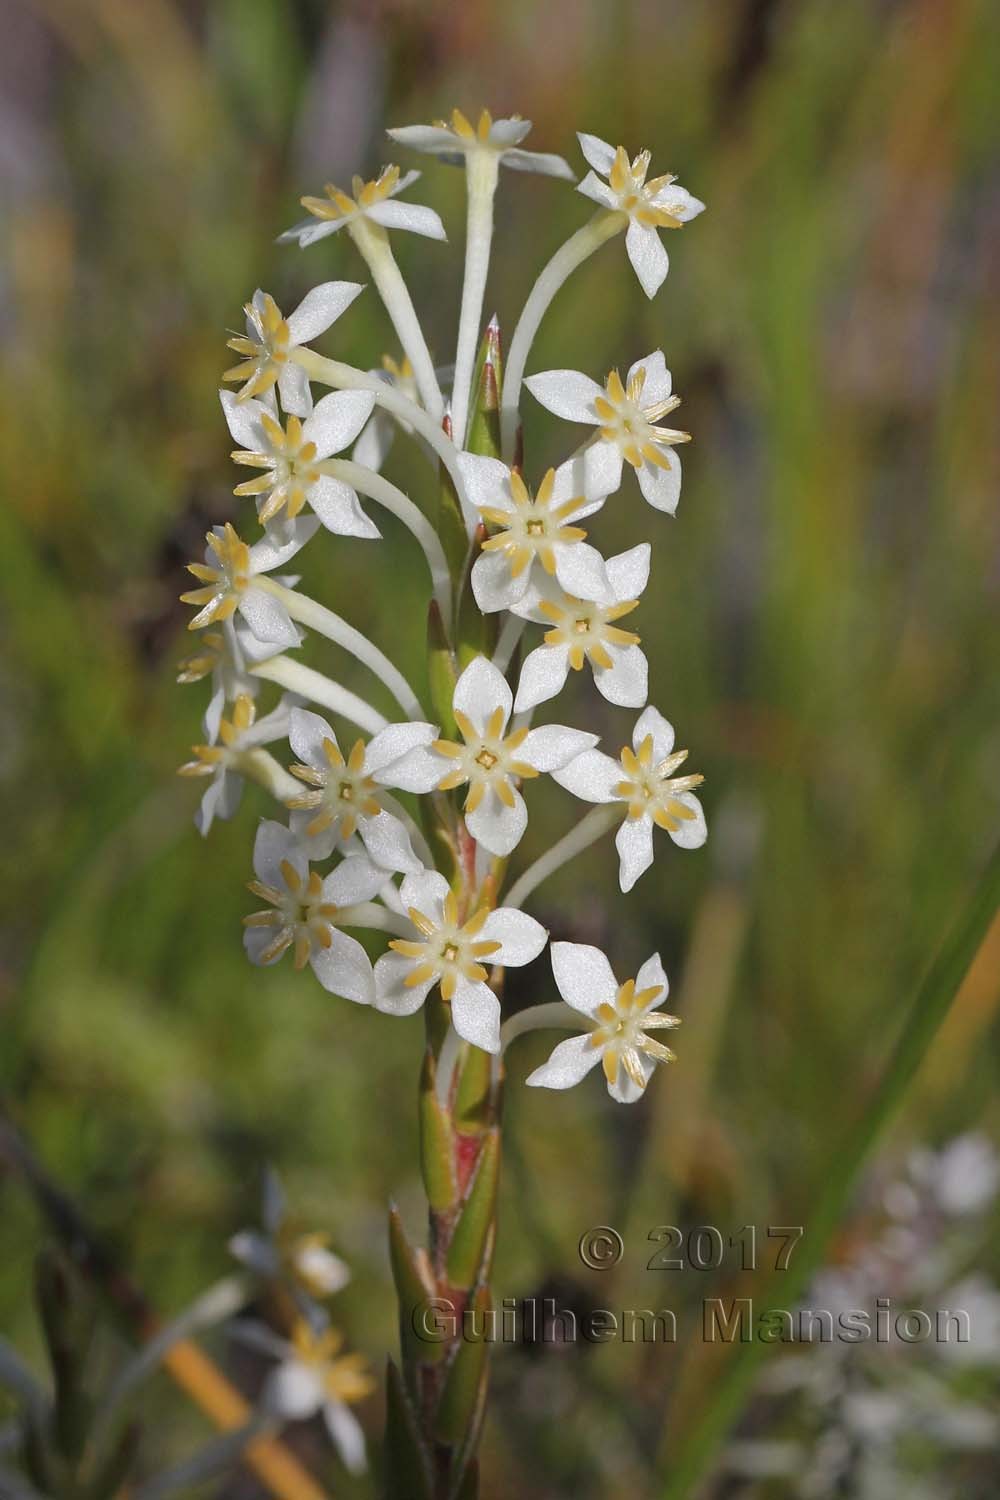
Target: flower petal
[(387, 841), (293, 1391), (693, 831), (337, 506), (581, 572), (648, 256), (568, 1063), (355, 879), (629, 572), (306, 733), (433, 139), (274, 550), (593, 776), (626, 681), (597, 153), (243, 419), (337, 420), (372, 448), (293, 388), (624, 1090), (412, 216), (552, 746), (267, 617), (567, 393), (425, 892), (475, 1014), (634, 842), (273, 844), (321, 307), (679, 202), (221, 799), (592, 187), (583, 976), (652, 722), (347, 1435), (345, 969), (393, 995), (543, 675), (651, 974), (419, 770), (394, 741), (493, 586), (601, 464), (661, 487), (496, 826), (656, 384), (521, 938), (480, 690), (545, 162), (487, 481)]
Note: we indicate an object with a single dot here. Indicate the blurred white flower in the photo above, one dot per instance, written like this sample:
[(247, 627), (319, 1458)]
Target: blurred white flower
[(241, 732), (446, 952), (303, 912), (581, 630), (224, 654), (626, 417), (619, 1016), (643, 781), (289, 457), (279, 1249), (963, 1176), (489, 760), (455, 140), (271, 340), (367, 200), (227, 580), (650, 206)]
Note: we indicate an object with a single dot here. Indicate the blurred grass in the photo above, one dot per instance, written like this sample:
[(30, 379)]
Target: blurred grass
[(822, 621)]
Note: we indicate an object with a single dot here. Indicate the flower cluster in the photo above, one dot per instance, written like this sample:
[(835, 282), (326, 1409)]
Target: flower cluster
[(346, 850)]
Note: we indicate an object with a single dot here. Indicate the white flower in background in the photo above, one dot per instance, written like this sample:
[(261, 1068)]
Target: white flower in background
[(271, 340), (651, 206), (313, 1378), (582, 631), (279, 1250), (374, 200), (489, 760), (372, 447), (451, 954), (530, 530), (225, 654), (455, 140), (626, 417), (290, 457), (303, 912), (222, 762), (619, 1018), (643, 781), (228, 582), (963, 1177), (343, 796)]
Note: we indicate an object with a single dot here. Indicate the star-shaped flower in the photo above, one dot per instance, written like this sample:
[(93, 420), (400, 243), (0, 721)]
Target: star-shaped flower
[(618, 1017), (368, 200), (303, 912), (291, 456), (650, 206), (453, 954), (626, 417), (532, 534), (271, 340), (344, 797), (582, 631), (489, 761), (643, 781), (242, 732), (228, 575), (456, 140)]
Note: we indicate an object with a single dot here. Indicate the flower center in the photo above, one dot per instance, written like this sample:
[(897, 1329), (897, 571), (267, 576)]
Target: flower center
[(445, 951), (588, 630), (340, 792), (297, 915), (485, 760), (534, 525), (654, 789)]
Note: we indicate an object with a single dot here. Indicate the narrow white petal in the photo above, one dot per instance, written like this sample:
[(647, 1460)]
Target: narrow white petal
[(306, 733), (345, 969), (268, 619), (693, 831), (293, 388), (493, 586), (347, 1434), (581, 572), (487, 481), (388, 842), (221, 800), (372, 448), (592, 187), (652, 722), (337, 420), (543, 675), (593, 776), (568, 1063), (510, 132), (583, 976), (679, 202), (520, 936), (597, 153), (212, 717), (273, 551), (624, 1090), (355, 879), (293, 1391), (567, 393), (651, 974), (393, 742), (475, 1014), (629, 572), (339, 509), (392, 994), (430, 138), (545, 162), (315, 846), (648, 256), (482, 688), (321, 307), (626, 682), (243, 420), (552, 746), (661, 487), (602, 469), (425, 892), (634, 842), (256, 941), (496, 826), (419, 770), (308, 231), (392, 214), (656, 384)]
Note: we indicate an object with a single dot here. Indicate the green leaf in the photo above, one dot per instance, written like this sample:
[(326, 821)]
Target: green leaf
[(472, 1235), (484, 426), (408, 1464), (415, 1286), (437, 1142), (472, 1109), (464, 1390)]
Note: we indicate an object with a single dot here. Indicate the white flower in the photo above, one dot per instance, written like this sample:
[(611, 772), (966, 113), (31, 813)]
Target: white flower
[(304, 910), (490, 761), (532, 530), (271, 340), (313, 1377), (372, 448), (224, 654), (291, 457), (643, 781), (651, 206), (366, 200), (626, 416), (618, 1018), (227, 578), (343, 796), (583, 631), (446, 952), (239, 734), (278, 1249), (454, 142)]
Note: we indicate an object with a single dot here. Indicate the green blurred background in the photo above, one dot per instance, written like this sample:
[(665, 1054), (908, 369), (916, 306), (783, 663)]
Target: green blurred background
[(822, 627)]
